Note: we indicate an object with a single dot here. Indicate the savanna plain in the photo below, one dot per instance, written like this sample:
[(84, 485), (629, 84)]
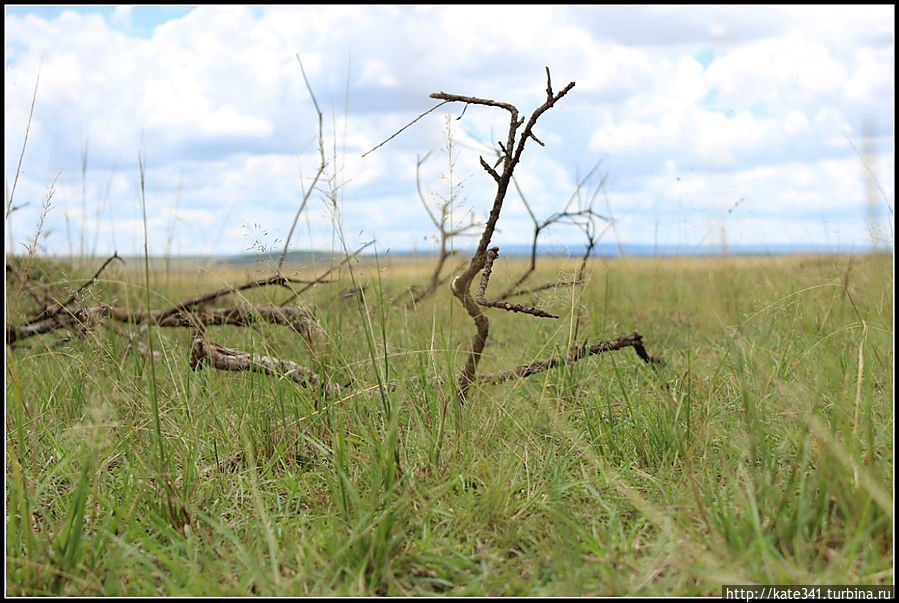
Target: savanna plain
[(760, 451)]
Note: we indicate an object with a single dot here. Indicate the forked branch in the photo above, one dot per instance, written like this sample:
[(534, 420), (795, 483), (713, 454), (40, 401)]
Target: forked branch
[(513, 149), (503, 305)]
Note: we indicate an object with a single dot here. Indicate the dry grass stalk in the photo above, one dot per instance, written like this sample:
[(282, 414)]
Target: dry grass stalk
[(443, 224), (321, 169)]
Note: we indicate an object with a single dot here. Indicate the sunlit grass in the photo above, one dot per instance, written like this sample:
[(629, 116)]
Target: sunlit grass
[(762, 452)]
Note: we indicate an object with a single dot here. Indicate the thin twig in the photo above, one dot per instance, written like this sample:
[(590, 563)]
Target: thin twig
[(208, 297), (395, 134), (503, 305), (50, 312)]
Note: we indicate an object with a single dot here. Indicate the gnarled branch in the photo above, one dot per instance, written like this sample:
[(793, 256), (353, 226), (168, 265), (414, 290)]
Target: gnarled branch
[(461, 286)]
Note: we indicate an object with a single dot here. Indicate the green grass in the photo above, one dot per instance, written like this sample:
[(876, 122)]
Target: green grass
[(761, 452)]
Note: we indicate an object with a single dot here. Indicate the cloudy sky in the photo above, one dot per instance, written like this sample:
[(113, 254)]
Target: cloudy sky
[(712, 126)]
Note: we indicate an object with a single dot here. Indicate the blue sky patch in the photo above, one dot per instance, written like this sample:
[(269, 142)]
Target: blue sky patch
[(759, 110), (142, 20), (705, 57)]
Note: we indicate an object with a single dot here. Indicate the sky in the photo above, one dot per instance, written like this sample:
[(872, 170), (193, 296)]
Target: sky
[(728, 127)]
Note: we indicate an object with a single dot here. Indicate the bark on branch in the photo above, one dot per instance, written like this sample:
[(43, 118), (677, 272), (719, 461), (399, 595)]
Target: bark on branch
[(299, 319), (634, 340), (227, 359), (461, 286)]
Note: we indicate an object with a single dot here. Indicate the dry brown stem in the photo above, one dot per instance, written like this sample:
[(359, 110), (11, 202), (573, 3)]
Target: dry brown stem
[(461, 285), (301, 320), (205, 298), (222, 358)]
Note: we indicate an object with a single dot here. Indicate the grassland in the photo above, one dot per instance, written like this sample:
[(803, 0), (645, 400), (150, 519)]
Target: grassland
[(761, 452)]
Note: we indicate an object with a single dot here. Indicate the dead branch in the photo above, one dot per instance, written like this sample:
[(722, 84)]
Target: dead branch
[(57, 315), (582, 218), (205, 298), (62, 306), (461, 285), (301, 320), (275, 279), (226, 359), (57, 321), (579, 275), (634, 340)]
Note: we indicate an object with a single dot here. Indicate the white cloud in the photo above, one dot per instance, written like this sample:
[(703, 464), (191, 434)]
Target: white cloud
[(215, 102), (121, 17)]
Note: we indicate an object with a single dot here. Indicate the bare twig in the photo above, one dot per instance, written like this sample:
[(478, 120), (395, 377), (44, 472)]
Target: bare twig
[(395, 134), (301, 320), (582, 218), (61, 306), (577, 280), (503, 305), (205, 298)]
